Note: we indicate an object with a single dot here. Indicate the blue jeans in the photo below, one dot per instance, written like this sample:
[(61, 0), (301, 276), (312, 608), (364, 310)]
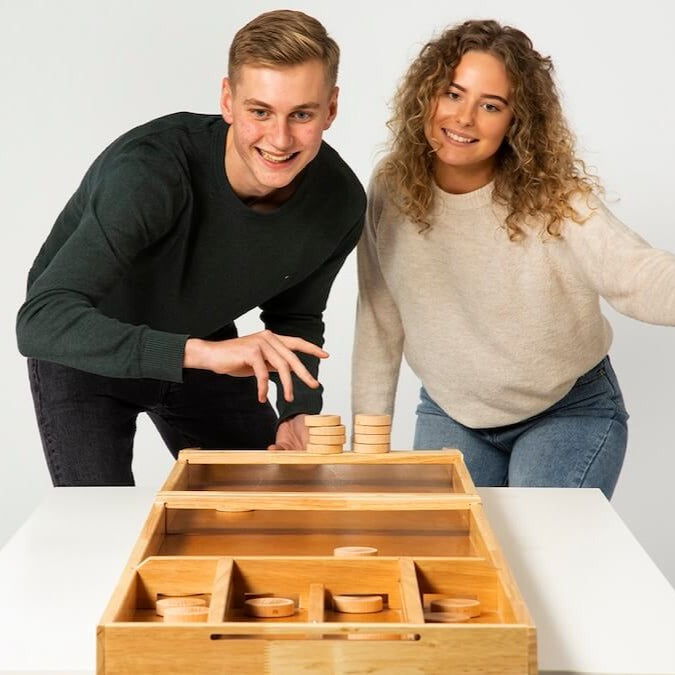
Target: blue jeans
[(578, 442), (87, 422)]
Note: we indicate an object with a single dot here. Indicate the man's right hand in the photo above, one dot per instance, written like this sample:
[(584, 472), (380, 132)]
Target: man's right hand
[(255, 354)]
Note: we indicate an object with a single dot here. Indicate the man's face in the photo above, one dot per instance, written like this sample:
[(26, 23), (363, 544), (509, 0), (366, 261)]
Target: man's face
[(277, 118)]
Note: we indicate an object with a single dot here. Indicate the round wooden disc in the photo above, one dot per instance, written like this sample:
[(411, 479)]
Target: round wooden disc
[(324, 449), (372, 439), (446, 617), (357, 604), (322, 420), (166, 594), (269, 608), (327, 440), (365, 430), (452, 605), (373, 449), (186, 614), (358, 551), (337, 430), (178, 601), (373, 420)]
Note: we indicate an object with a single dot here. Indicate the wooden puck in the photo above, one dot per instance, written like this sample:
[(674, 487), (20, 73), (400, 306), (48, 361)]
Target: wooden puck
[(365, 430), (371, 449), (322, 420), (186, 614), (357, 604), (178, 601), (372, 439), (453, 605), (315, 449), (327, 440), (337, 430), (269, 608), (446, 617), (373, 420), (348, 551)]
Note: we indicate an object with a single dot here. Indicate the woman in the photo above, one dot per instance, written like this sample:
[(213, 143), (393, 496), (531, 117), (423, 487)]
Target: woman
[(485, 253)]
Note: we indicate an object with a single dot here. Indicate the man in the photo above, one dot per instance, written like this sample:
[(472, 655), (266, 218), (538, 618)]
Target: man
[(179, 227)]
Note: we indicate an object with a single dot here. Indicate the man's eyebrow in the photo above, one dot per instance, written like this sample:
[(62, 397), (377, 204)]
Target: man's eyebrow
[(495, 96), (261, 104)]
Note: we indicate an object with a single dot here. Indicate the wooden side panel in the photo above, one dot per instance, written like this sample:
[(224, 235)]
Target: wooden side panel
[(304, 501), (446, 456), (316, 603), (221, 591), (461, 650), (149, 542), (462, 482), (177, 478), (511, 597), (411, 598)]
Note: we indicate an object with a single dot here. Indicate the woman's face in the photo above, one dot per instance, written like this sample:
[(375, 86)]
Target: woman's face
[(469, 123)]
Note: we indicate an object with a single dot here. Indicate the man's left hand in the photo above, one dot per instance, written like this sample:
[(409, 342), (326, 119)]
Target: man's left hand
[(292, 434)]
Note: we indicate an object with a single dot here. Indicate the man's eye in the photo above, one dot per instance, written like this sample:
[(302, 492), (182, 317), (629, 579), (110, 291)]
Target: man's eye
[(260, 113), (302, 116)]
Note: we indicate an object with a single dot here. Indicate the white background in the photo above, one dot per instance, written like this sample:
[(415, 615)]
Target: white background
[(76, 74)]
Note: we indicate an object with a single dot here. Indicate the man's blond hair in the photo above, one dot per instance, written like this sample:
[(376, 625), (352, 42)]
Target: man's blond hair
[(283, 38)]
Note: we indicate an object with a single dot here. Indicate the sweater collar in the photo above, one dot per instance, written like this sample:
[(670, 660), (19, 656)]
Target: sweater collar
[(476, 199)]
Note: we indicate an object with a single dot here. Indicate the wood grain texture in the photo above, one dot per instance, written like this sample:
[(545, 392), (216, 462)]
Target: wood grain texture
[(238, 525)]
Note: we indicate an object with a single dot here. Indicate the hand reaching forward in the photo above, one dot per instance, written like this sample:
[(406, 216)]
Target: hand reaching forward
[(292, 434), (255, 354)]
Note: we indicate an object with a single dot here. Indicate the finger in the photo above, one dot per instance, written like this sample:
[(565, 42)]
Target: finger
[(292, 360), (276, 361), (299, 345), (262, 376)]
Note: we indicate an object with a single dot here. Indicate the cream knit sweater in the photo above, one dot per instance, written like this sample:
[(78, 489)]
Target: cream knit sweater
[(496, 330)]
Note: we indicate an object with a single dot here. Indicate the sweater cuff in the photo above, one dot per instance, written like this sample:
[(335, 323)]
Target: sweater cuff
[(305, 400), (162, 355)]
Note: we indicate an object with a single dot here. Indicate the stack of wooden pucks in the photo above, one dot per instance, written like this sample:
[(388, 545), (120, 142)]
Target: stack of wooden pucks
[(372, 433), (326, 434), (183, 608), (452, 610)]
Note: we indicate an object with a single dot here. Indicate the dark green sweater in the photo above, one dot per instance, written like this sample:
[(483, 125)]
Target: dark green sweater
[(154, 247)]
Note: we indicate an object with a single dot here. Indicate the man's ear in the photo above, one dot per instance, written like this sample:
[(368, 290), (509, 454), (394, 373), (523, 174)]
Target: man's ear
[(226, 100), (332, 108)]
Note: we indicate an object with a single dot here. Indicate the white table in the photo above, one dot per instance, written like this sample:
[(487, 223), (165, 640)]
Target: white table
[(600, 604)]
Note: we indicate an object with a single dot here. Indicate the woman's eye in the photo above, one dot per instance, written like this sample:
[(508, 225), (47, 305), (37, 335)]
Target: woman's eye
[(491, 107)]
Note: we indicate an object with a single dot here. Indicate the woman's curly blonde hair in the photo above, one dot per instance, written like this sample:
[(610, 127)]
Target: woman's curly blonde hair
[(537, 171)]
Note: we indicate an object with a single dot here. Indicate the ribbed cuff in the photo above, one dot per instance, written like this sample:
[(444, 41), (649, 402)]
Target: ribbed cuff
[(162, 355), (305, 400)]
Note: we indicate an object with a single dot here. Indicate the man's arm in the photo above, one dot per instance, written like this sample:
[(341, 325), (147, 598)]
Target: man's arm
[(120, 212), (298, 312)]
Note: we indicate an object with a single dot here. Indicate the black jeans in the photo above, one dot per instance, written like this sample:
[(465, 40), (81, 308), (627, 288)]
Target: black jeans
[(87, 422)]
